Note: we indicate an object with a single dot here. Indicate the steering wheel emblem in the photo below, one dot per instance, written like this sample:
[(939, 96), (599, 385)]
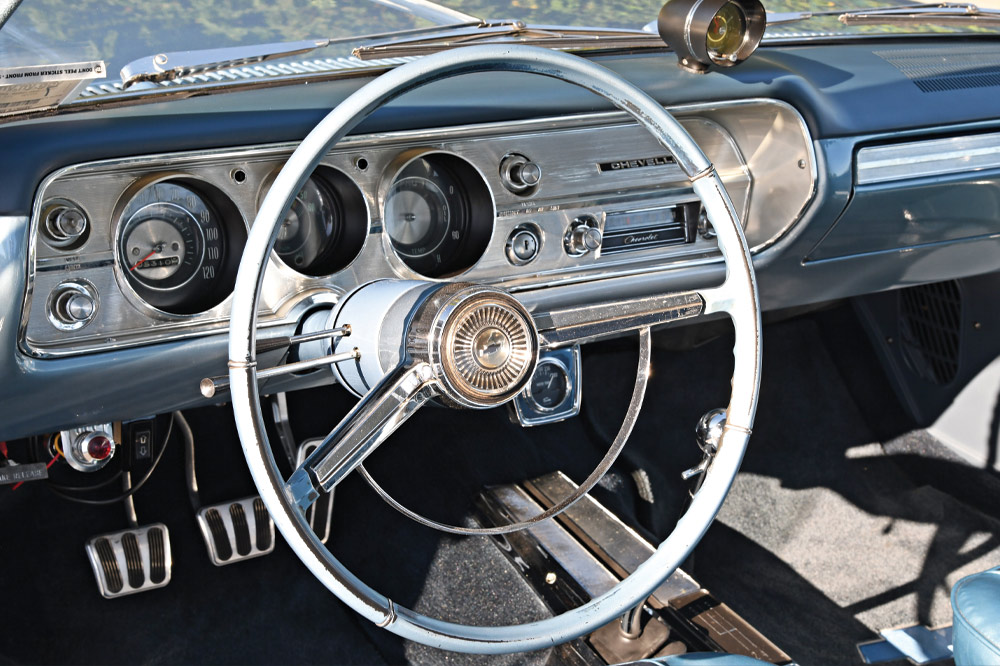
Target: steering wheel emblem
[(488, 346), (492, 348)]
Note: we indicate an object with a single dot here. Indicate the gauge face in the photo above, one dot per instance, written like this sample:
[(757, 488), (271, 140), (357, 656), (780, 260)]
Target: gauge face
[(726, 32), (549, 385), (311, 225), (325, 229), (438, 215), (172, 249), (163, 245), (417, 216)]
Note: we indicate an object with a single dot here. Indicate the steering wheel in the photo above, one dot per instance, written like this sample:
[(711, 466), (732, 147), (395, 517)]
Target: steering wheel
[(475, 346)]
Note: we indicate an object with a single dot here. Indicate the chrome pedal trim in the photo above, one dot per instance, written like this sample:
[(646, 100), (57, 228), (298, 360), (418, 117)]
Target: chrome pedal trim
[(236, 530), (131, 561), (320, 513)]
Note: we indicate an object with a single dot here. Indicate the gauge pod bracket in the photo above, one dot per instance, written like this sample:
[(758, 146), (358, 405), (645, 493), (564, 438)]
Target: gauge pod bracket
[(704, 33)]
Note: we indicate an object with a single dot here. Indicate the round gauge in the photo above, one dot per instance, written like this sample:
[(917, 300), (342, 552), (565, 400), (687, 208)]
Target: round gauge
[(162, 245), (549, 386), (173, 250), (417, 216), (726, 32), (325, 228), (438, 215)]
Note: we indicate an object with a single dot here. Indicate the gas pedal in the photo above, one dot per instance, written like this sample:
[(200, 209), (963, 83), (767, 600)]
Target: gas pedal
[(131, 561), (237, 530), (320, 513)]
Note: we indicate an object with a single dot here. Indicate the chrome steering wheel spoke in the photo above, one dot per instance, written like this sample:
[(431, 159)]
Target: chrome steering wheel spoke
[(376, 416), (587, 323)]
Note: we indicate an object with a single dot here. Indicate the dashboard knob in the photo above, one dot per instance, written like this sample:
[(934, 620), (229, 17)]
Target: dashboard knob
[(64, 224), (72, 305), (79, 307), (519, 174), (584, 236)]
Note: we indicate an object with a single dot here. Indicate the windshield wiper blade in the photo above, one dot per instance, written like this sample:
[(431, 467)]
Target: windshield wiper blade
[(941, 13), (512, 31)]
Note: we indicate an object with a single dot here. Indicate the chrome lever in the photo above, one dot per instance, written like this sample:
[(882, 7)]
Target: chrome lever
[(271, 344), (211, 385), (708, 434)]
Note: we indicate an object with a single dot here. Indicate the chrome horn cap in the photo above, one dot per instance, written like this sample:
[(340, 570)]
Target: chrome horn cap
[(482, 343)]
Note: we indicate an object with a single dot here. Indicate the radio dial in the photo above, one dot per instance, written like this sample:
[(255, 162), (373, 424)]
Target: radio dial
[(584, 236)]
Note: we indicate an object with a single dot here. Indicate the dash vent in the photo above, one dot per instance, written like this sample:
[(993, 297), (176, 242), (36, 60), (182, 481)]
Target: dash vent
[(930, 318), (944, 69)]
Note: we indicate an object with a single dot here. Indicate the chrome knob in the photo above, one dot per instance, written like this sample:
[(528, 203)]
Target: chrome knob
[(64, 224), (708, 432), (518, 173), (584, 236), (72, 305), (79, 307)]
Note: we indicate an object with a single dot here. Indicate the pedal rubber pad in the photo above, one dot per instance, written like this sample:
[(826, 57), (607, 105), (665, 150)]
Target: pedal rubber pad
[(131, 561), (237, 530), (320, 513)]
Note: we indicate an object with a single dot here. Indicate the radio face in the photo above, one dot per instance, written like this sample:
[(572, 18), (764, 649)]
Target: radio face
[(650, 227)]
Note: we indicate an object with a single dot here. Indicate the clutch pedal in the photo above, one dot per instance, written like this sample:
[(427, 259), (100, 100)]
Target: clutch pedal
[(237, 530), (130, 561), (320, 513)]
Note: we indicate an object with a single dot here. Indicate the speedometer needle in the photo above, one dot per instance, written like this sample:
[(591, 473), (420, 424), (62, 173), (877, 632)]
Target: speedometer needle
[(136, 264), (156, 248)]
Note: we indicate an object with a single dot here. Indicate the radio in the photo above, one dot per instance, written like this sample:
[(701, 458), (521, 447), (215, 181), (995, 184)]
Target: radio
[(650, 227)]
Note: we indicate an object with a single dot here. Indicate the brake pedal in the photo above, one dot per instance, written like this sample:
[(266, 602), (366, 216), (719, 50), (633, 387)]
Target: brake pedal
[(320, 513), (237, 530), (130, 561)]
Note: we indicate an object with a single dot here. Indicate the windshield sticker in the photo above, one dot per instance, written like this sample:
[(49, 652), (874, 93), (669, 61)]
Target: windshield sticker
[(24, 89)]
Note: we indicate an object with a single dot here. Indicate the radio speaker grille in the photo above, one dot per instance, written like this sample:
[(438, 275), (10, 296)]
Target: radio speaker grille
[(930, 318)]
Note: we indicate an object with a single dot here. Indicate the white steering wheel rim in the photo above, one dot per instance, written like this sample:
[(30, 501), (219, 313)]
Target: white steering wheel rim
[(737, 297)]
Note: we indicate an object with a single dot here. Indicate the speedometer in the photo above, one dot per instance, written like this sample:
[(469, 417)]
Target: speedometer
[(172, 248)]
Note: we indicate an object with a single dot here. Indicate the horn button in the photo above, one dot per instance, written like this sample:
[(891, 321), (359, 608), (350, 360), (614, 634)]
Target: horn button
[(485, 345)]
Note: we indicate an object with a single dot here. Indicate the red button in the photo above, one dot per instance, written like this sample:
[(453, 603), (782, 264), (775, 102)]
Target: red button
[(99, 447)]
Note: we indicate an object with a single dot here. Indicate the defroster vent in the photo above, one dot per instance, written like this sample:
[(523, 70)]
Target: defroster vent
[(952, 68)]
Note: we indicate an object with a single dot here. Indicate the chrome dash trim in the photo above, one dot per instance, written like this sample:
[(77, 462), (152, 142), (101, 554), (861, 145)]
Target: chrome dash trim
[(756, 170), (934, 157)]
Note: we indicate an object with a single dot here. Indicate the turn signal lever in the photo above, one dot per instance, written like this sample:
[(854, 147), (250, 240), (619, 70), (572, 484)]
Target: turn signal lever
[(708, 434), (211, 385)]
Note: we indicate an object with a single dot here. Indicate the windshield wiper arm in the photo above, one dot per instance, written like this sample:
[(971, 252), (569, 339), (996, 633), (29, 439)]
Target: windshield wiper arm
[(513, 31), (174, 65), (945, 13), (941, 13)]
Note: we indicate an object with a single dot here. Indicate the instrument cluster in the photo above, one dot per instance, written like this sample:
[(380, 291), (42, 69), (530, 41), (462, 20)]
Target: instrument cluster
[(145, 250)]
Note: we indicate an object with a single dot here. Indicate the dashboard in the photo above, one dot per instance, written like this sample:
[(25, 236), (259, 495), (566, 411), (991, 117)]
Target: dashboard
[(121, 225), (127, 252)]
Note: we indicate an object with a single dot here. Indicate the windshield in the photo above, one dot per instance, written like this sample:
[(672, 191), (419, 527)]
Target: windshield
[(120, 31)]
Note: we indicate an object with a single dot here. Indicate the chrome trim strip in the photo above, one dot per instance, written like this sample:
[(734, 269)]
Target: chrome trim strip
[(920, 159)]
